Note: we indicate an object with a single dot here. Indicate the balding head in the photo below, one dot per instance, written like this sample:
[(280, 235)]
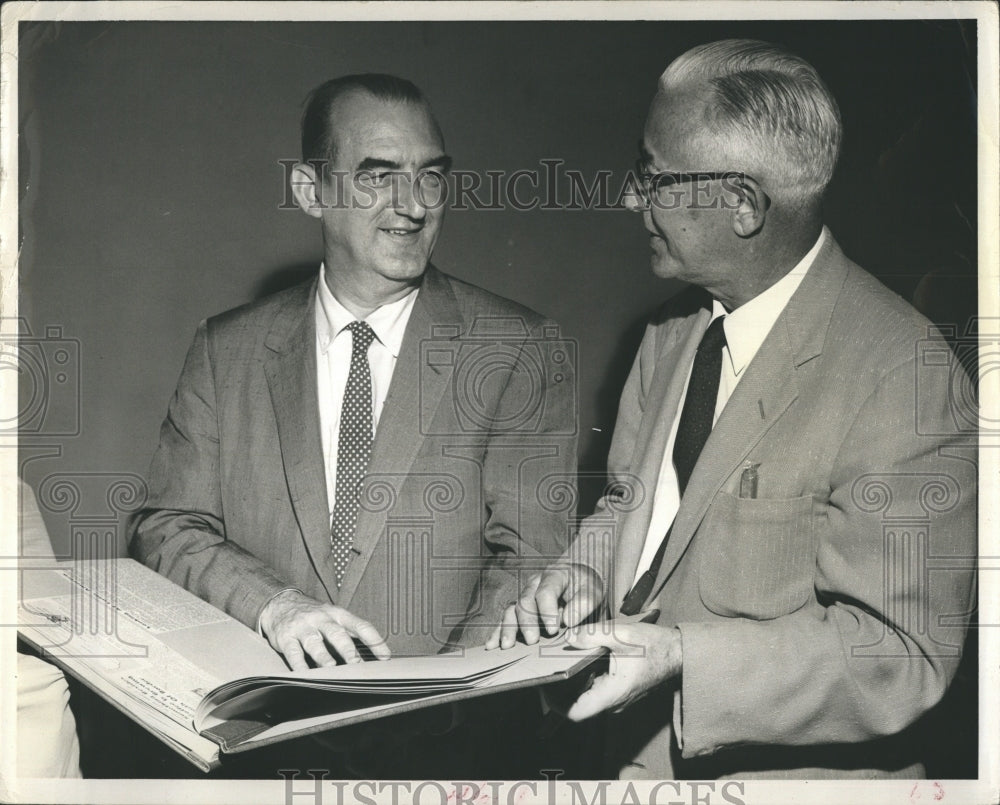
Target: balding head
[(319, 124)]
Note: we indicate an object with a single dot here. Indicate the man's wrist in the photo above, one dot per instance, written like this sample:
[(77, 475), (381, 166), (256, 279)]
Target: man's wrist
[(263, 617)]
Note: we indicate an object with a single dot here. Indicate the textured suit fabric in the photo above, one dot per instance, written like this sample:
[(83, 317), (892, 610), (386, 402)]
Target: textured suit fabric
[(814, 629), (480, 416)]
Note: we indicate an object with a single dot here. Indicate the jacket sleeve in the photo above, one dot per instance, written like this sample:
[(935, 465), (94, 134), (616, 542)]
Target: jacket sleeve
[(897, 539), (181, 532)]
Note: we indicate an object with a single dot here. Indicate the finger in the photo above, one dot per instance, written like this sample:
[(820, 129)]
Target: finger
[(606, 693), (370, 636), (526, 613), (585, 593), (493, 641), (508, 621), (292, 652), (547, 597), (341, 642), (580, 607), (596, 635), (508, 627), (315, 647), (363, 630)]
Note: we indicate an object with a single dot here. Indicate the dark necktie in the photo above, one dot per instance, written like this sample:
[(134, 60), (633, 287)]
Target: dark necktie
[(692, 433), (354, 446)]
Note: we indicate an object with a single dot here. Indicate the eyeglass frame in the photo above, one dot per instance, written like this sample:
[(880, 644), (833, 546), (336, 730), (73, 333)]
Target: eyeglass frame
[(645, 180)]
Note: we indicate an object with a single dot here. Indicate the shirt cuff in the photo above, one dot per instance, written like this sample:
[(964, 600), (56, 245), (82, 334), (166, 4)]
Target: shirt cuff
[(678, 718)]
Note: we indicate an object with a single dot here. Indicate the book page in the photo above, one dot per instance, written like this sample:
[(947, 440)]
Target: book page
[(129, 590), (261, 709), (129, 657), (108, 628)]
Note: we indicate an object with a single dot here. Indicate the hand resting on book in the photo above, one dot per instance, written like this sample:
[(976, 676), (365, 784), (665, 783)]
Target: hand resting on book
[(298, 626)]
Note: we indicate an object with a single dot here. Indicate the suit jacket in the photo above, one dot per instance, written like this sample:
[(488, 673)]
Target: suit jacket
[(818, 621), (480, 415)]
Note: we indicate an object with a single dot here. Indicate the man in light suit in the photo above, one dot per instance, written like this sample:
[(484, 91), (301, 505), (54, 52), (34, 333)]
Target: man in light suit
[(791, 469), (270, 498)]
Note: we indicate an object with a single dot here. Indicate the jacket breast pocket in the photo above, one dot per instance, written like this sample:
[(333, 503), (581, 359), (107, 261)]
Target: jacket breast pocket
[(758, 556)]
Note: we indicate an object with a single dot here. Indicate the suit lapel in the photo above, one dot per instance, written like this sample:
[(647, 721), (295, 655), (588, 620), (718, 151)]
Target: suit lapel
[(414, 395), (766, 391), (291, 376)]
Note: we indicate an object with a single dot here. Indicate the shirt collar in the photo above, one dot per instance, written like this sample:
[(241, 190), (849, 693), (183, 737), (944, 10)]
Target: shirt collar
[(748, 325), (388, 321)]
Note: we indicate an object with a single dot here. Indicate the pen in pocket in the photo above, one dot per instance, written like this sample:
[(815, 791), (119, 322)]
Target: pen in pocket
[(748, 481)]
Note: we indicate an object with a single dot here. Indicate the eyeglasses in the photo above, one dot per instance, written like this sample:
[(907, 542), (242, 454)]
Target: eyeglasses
[(651, 185)]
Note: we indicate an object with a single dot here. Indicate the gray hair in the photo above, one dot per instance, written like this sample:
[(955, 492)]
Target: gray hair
[(771, 106)]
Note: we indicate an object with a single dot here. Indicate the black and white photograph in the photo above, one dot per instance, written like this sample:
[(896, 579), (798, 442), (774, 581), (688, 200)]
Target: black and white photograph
[(499, 403)]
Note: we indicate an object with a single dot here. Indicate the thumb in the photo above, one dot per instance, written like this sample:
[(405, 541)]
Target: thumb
[(595, 635), (580, 606)]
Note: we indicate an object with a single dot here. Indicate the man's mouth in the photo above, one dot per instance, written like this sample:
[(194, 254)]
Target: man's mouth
[(402, 232)]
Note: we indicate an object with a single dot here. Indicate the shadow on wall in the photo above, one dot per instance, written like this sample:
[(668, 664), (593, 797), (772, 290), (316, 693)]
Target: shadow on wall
[(283, 278)]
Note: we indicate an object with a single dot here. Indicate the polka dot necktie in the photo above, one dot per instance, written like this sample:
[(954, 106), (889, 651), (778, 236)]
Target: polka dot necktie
[(695, 425), (354, 446)]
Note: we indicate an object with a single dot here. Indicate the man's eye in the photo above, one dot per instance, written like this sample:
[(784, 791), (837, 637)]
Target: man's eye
[(376, 178), (430, 179)]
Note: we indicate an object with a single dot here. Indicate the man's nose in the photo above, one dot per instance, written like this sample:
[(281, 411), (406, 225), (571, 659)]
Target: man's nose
[(634, 200), (407, 198)]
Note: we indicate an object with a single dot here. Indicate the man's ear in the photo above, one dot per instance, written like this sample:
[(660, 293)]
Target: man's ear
[(751, 205), (305, 189)]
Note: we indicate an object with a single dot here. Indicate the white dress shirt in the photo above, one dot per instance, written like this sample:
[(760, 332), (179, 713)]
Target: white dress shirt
[(746, 328), (333, 364)]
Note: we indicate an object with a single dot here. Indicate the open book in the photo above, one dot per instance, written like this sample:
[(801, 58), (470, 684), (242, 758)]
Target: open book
[(203, 683)]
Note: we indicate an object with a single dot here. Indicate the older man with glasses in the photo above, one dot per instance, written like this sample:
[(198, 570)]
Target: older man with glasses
[(793, 465)]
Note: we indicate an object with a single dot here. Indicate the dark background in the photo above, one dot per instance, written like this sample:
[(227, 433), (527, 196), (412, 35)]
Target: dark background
[(151, 186)]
